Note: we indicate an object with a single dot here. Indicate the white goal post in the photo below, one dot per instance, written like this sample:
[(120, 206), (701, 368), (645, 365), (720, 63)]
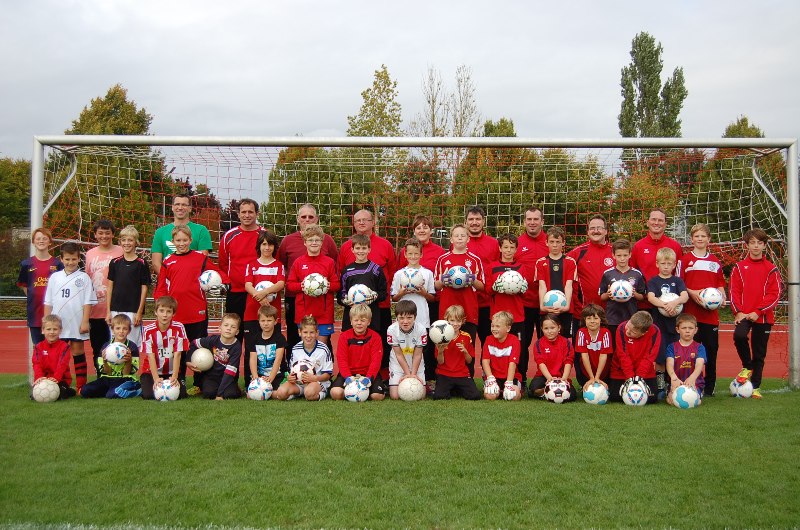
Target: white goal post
[(567, 167)]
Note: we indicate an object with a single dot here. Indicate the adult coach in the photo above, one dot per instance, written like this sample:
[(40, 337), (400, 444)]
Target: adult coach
[(593, 258), (531, 246), (291, 248), (162, 240), (485, 247), (643, 254), (237, 248)]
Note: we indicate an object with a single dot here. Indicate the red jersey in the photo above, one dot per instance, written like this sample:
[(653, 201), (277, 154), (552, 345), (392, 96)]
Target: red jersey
[(52, 360), (485, 247), (163, 345), (755, 286), (643, 257), (699, 272), (179, 278), (592, 260), (256, 272), (237, 248), (430, 253), (321, 307), (381, 252), (501, 355), (555, 273), (359, 354), (292, 247), (529, 250), (454, 364), (466, 297), (501, 301), (555, 355), (600, 345), (635, 356)]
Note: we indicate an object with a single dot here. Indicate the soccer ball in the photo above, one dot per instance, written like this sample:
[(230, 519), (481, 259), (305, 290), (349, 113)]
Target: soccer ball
[(300, 367), (711, 298), (115, 352), (266, 284), (45, 391), (634, 394), (359, 293), (441, 332), (202, 359), (315, 284), (166, 391), (621, 291), (209, 279), (411, 279), (410, 389), (685, 397), (596, 394), (512, 282), (669, 297), (259, 390), (555, 299), (741, 390), (356, 391), (557, 391), (458, 276)]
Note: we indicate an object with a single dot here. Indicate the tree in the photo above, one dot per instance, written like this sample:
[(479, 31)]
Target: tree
[(434, 120), (742, 128), (380, 113), (648, 108), (112, 114), (15, 192)]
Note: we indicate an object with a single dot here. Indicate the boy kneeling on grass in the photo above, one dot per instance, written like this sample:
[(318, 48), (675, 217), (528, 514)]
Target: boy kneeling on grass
[(359, 352), (454, 359), (220, 381), (500, 356), (51, 357), (637, 345), (686, 358), (314, 382), (110, 376)]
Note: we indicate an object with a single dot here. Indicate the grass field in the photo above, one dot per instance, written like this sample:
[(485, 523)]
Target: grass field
[(457, 464)]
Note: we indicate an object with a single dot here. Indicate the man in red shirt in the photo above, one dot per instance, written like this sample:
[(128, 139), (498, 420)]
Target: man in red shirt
[(592, 257), (291, 248), (643, 255), (237, 248), (487, 249)]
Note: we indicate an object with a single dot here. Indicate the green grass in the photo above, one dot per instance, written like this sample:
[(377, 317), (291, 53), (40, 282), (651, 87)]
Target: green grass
[(431, 464)]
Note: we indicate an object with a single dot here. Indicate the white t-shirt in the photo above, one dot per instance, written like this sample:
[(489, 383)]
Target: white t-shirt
[(67, 294), (417, 337), (320, 358), (423, 317)]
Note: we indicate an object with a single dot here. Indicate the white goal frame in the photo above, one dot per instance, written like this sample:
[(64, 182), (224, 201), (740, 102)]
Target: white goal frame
[(789, 144)]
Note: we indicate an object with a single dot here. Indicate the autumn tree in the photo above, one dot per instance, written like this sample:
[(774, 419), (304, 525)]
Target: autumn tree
[(380, 113)]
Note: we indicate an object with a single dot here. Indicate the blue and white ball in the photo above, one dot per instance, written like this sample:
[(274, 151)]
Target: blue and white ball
[(356, 391), (741, 390), (259, 389), (596, 394), (167, 391), (711, 298), (621, 291), (266, 284), (459, 276), (685, 397), (115, 352), (411, 279), (512, 282), (359, 294), (635, 394), (209, 279), (554, 299)]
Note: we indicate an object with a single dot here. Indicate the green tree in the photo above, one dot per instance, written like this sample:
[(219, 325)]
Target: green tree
[(742, 128), (15, 192), (113, 114), (648, 108), (380, 113)]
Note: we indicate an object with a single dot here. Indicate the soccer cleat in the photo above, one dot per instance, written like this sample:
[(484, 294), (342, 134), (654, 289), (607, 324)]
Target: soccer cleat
[(430, 388), (756, 394), (744, 375), (194, 391)]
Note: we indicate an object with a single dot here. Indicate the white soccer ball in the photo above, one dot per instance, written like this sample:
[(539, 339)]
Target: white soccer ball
[(555, 299), (45, 391), (685, 397), (356, 391), (711, 298), (621, 291), (669, 297), (741, 390), (441, 332), (458, 277), (596, 394), (115, 352), (266, 284), (411, 279), (557, 391), (167, 391), (512, 282), (634, 394), (359, 294), (509, 393), (259, 390), (202, 359), (410, 389), (315, 284), (299, 367), (209, 279)]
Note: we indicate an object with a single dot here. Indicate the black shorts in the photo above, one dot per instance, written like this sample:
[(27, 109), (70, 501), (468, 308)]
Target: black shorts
[(377, 387), (449, 386)]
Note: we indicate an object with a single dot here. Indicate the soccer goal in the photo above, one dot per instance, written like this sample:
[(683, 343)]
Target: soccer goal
[(731, 185)]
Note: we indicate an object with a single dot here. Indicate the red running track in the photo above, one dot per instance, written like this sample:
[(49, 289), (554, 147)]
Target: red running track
[(14, 356)]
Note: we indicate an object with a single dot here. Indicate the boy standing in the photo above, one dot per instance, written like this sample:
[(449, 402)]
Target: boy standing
[(163, 344), (367, 273), (266, 350), (51, 357), (454, 359), (407, 339), (97, 260), (501, 301), (128, 280), (556, 272), (427, 293), (70, 295), (685, 357), (700, 269), (110, 375), (34, 273), (220, 381), (755, 291), (618, 312), (359, 352), (312, 384), (637, 345)]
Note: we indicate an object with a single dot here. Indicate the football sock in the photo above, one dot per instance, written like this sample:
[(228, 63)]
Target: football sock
[(80, 370)]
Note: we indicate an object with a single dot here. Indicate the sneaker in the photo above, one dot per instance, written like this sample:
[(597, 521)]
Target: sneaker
[(430, 387), (756, 393), (744, 375), (194, 391)]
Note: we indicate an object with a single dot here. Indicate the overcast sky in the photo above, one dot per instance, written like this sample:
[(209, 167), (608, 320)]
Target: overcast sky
[(280, 68)]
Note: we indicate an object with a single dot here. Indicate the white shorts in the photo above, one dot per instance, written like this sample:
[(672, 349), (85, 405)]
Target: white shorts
[(396, 372), (135, 335)]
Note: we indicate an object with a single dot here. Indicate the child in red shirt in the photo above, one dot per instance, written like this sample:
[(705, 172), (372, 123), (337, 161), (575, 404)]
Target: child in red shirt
[(553, 355), (506, 301), (359, 352), (637, 345), (51, 357), (594, 345), (454, 358), (500, 356)]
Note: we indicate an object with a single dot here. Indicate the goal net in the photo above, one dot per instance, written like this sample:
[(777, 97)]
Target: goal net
[(731, 189)]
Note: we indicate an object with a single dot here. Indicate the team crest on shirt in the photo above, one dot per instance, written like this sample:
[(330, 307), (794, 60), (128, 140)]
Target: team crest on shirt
[(647, 251), (608, 262), (79, 283), (556, 268), (494, 351), (468, 263)]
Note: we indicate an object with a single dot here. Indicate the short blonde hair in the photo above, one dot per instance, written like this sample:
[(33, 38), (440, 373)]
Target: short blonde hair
[(182, 230), (51, 319), (505, 317), (700, 227), (665, 254), (121, 318), (361, 311), (131, 232), (313, 231), (455, 312)]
